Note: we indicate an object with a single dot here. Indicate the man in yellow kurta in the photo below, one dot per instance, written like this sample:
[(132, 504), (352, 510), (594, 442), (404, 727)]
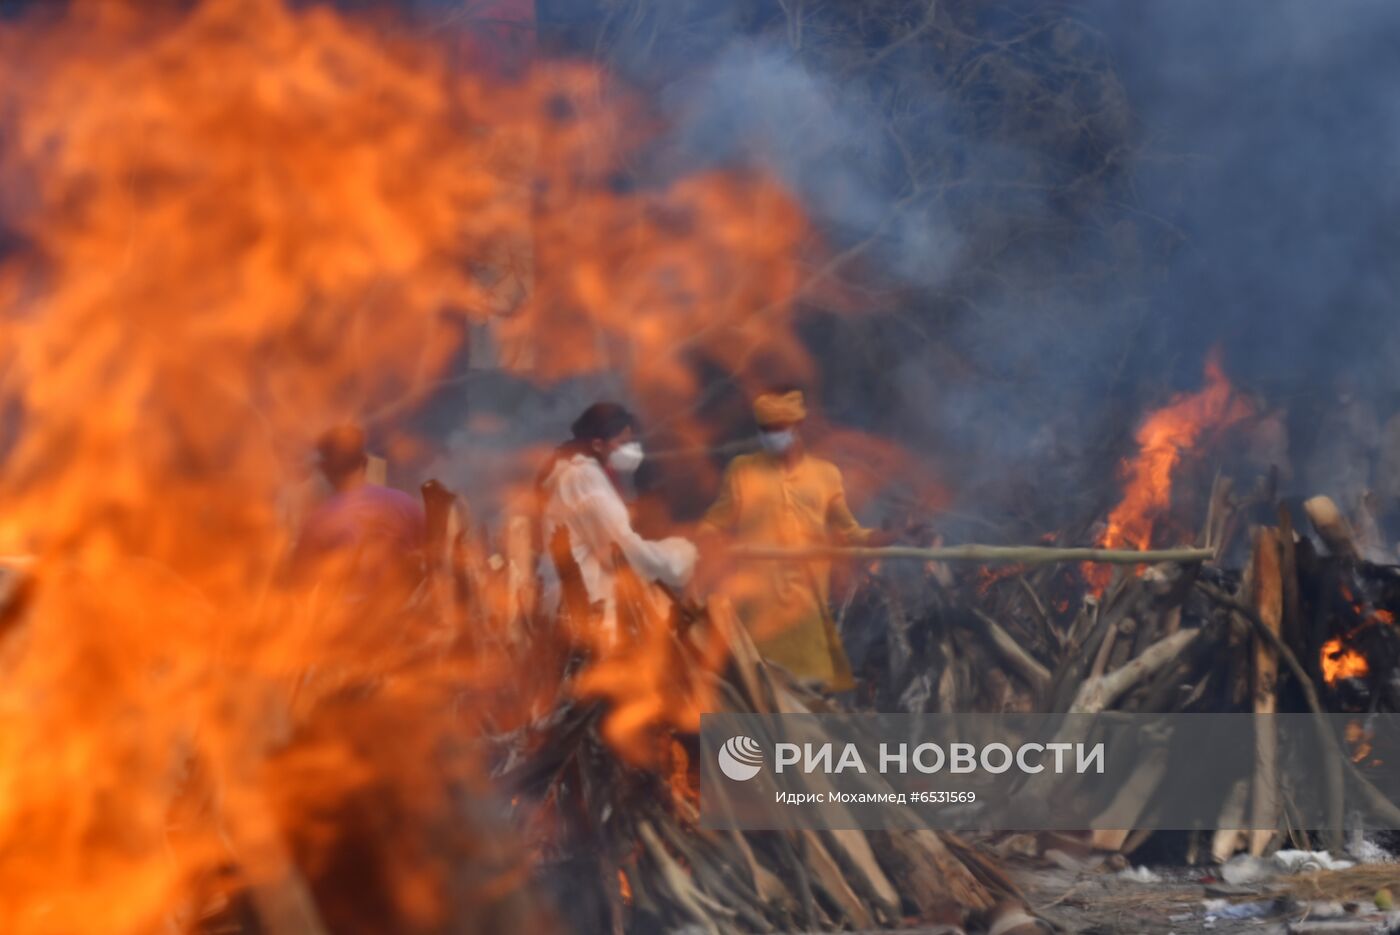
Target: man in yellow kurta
[(783, 496)]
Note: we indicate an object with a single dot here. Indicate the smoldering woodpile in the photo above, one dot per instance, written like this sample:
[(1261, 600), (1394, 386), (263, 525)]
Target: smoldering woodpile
[(624, 844), (619, 843), (622, 847), (1305, 626), (626, 853)]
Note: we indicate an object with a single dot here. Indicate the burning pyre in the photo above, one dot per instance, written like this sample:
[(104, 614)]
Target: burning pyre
[(230, 223), (1185, 424)]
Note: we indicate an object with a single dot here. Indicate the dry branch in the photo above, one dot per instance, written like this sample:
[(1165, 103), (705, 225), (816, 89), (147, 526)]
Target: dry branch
[(1026, 665), (1101, 692)]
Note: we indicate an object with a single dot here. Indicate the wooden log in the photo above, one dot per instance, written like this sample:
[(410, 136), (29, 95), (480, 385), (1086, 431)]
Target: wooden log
[(1124, 649), (1100, 665), (1013, 918), (1332, 526), (1036, 675), (1268, 603), (1086, 621), (931, 878), (1228, 838), (1130, 799), (1041, 614), (1291, 632), (1087, 642), (1135, 840), (1097, 694), (722, 883), (947, 694), (979, 554), (1110, 840), (986, 872), (844, 864)]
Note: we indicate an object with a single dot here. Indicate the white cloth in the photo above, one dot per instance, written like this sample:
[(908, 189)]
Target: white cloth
[(583, 500)]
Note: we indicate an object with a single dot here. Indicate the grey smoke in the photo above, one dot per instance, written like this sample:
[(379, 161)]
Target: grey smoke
[(1250, 200), (756, 104)]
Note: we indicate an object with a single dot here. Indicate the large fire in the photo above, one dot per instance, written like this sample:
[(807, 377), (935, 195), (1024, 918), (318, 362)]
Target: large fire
[(228, 225), (1166, 436)]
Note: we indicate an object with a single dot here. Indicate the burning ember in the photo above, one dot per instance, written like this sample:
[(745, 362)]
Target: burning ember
[(1338, 659), (1165, 437), (1339, 662)]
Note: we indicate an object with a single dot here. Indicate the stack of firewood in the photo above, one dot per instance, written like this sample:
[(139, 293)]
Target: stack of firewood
[(621, 844), (1166, 638)]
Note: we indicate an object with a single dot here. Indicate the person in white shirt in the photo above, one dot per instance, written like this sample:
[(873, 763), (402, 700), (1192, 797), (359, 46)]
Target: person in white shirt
[(581, 492)]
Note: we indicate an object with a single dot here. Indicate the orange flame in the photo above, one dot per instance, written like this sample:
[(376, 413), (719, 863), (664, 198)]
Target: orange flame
[(624, 887), (1341, 663), (1163, 439), (237, 223)]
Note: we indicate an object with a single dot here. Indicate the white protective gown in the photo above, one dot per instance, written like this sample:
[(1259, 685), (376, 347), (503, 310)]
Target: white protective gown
[(581, 498)]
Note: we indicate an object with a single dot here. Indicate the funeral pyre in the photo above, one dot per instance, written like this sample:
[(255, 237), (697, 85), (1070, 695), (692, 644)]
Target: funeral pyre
[(1296, 622), (230, 223), (227, 225)]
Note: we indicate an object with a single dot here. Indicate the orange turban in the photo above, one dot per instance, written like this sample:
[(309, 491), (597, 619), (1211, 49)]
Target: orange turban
[(775, 409)]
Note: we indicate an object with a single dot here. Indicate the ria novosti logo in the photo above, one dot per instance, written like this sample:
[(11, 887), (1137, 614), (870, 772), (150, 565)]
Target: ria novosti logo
[(740, 758)]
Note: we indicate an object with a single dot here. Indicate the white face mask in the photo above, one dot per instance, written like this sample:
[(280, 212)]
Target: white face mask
[(777, 442), (625, 459)]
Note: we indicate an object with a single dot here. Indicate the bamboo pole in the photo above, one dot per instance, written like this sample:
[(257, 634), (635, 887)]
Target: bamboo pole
[(982, 554)]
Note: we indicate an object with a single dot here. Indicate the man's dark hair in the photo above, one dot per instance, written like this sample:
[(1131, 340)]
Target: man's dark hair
[(603, 422), (340, 452)]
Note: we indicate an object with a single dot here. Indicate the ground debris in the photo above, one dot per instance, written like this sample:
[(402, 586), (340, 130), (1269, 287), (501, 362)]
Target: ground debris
[(1162, 900)]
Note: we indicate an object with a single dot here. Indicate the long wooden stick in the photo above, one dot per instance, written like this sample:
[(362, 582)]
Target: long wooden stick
[(1026, 665), (1268, 603), (982, 554), (1097, 695)]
